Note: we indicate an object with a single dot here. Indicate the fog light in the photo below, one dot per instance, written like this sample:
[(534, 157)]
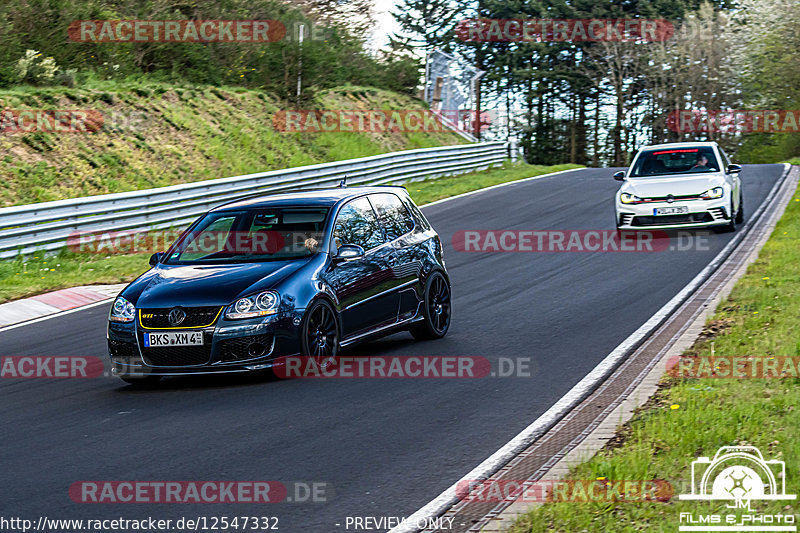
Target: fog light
[(256, 349)]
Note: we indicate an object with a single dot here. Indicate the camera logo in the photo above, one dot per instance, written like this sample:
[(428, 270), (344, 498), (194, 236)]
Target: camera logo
[(738, 473)]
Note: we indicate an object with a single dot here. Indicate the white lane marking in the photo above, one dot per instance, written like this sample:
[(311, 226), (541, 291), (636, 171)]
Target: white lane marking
[(56, 315), (477, 191), (524, 438), (24, 309)]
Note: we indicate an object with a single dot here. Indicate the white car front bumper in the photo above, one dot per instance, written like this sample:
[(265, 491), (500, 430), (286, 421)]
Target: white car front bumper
[(702, 213)]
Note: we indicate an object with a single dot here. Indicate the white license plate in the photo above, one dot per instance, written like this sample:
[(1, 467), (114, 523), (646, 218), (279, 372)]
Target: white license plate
[(173, 338), (670, 210)]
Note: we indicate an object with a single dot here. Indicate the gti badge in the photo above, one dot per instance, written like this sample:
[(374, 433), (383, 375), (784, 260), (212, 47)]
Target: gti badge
[(176, 316)]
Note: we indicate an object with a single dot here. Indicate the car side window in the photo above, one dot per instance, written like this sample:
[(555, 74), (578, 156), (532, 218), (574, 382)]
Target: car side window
[(358, 224), (418, 216), (725, 161), (392, 213)]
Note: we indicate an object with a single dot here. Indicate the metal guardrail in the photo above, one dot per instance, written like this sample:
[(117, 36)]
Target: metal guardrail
[(48, 225)]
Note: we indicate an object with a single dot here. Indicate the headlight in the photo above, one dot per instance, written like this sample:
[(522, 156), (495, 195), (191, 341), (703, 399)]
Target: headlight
[(716, 192), (628, 198), (263, 304), (122, 311)]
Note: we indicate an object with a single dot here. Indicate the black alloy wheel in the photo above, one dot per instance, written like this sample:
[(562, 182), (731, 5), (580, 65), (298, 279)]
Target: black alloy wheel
[(321, 334), (437, 310)]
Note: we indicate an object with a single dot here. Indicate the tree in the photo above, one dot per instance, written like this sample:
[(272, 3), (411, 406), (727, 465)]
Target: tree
[(766, 52), (427, 24), (692, 72)]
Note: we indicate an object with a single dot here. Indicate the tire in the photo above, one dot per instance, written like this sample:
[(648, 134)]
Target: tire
[(437, 310), (320, 334), (740, 212), (141, 382)]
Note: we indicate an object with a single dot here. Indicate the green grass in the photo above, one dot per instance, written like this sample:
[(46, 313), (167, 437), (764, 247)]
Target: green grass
[(693, 417), (36, 274), (794, 161), (179, 134)]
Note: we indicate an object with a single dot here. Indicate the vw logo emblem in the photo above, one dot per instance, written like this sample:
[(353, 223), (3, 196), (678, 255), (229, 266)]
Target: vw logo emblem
[(670, 198), (176, 316)]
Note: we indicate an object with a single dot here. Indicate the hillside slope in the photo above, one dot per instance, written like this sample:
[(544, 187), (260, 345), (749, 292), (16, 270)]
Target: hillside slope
[(156, 135)]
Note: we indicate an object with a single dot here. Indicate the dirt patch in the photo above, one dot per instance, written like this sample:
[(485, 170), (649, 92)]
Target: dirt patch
[(715, 328)]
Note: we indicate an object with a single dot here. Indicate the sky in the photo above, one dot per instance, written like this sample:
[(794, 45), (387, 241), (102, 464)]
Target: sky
[(385, 23)]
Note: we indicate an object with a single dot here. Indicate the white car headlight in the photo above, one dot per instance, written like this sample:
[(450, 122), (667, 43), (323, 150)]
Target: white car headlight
[(122, 311), (716, 192), (262, 304), (628, 198)]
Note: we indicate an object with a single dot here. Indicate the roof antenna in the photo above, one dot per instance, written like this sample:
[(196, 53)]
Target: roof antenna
[(343, 183)]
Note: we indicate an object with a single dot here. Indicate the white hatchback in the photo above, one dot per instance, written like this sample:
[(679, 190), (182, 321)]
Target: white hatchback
[(679, 185)]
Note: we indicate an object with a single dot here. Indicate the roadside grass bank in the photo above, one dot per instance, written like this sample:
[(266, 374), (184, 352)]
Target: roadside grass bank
[(154, 135), (690, 418), (38, 273)]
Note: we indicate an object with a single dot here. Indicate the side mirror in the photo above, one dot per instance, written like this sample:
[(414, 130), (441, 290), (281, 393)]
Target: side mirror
[(732, 169), (156, 258), (619, 176), (349, 252)]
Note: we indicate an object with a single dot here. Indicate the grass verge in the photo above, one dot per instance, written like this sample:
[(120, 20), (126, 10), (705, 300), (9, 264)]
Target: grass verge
[(39, 273), (690, 418), (154, 135)]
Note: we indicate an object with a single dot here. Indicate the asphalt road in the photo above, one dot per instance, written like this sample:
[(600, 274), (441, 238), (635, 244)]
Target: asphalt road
[(386, 446)]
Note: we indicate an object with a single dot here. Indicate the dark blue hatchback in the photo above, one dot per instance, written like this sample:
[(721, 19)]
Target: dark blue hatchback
[(303, 273)]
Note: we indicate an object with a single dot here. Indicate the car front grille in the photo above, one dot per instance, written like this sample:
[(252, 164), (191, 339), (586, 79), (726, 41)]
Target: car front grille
[(244, 348), (673, 198), (178, 355), (196, 317), (664, 220)]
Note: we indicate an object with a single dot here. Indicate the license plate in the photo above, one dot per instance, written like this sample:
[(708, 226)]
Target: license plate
[(173, 338), (670, 210)]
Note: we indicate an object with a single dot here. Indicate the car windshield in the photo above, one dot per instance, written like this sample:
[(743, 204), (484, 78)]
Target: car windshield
[(675, 161), (252, 235)]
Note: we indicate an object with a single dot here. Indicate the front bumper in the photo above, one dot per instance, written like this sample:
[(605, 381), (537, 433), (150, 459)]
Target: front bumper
[(229, 346), (702, 213)]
